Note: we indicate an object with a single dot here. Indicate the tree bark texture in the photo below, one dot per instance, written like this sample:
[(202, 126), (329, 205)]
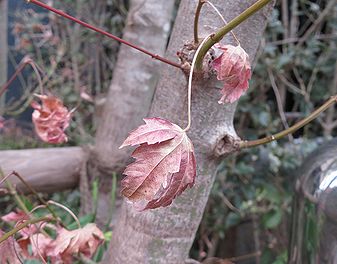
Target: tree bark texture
[(3, 46), (46, 170), (129, 97), (166, 235), (134, 81)]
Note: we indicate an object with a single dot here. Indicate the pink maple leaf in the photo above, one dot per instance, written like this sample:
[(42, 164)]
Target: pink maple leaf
[(67, 243), (51, 119), (9, 250), (164, 167), (232, 67), (19, 217)]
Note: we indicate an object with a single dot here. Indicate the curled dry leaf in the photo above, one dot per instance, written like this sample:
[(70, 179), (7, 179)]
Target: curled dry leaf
[(84, 240), (50, 119), (164, 166), (232, 67), (9, 251), (33, 244), (2, 122)]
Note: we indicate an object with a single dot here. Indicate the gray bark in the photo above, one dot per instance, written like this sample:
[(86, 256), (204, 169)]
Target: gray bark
[(130, 94), (166, 235), (135, 78), (3, 46), (46, 170)]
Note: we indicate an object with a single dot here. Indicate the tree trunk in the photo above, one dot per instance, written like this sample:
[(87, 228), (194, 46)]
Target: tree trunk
[(130, 94), (3, 47), (135, 78), (166, 235)]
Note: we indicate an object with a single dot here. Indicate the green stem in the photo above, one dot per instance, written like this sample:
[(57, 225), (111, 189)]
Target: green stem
[(12, 190), (23, 225), (30, 188), (196, 21), (224, 30), (292, 129)]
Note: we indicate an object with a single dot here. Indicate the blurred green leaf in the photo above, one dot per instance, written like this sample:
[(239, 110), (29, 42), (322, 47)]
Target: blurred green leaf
[(272, 219)]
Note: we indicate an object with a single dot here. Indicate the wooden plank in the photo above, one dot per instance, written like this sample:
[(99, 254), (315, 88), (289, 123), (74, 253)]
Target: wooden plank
[(47, 170)]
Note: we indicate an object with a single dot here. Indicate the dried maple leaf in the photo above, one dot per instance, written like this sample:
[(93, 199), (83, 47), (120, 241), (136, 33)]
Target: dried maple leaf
[(40, 246), (9, 251), (51, 119), (2, 122), (83, 240), (232, 67), (164, 166)]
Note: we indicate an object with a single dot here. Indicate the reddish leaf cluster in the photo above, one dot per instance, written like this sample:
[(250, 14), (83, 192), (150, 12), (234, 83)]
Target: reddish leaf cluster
[(51, 119), (164, 166), (67, 244), (232, 67)]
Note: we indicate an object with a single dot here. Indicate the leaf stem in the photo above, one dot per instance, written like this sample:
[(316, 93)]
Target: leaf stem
[(292, 129), (189, 91), (224, 30), (12, 190), (109, 35), (66, 209), (23, 225), (196, 21), (30, 188)]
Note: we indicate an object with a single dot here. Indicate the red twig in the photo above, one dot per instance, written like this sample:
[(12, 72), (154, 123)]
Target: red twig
[(63, 14), (16, 73), (26, 60)]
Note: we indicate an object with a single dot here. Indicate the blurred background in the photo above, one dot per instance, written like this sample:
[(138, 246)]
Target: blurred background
[(248, 215)]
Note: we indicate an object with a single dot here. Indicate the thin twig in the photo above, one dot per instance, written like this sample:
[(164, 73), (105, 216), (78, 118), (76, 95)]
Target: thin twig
[(329, 7), (244, 257), (292, 129), (109, 35), (36, 244), (23, 225), (12, 190), (196, 21), (31, 189), (66, 209), (26, 60), (279, 102)]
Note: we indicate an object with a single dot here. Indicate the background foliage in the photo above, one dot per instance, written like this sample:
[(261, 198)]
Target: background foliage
[(248, 213)]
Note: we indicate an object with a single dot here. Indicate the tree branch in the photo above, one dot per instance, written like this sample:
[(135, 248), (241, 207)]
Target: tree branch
[(292, 129), (109, 35), (23, 225)]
